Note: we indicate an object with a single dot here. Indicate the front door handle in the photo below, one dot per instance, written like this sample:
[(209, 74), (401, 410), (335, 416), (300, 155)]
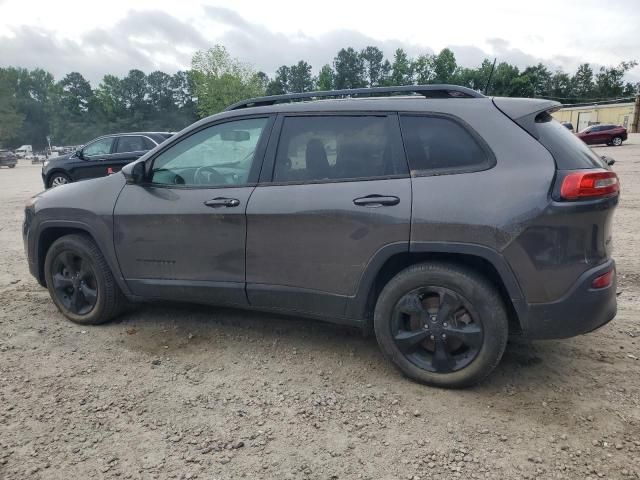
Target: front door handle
[(222, 202), (376, 201)]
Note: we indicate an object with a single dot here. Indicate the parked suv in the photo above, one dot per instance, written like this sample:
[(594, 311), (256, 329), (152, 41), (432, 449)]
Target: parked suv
[(102, 156), (445, 220), (7, 158), (603, 133)]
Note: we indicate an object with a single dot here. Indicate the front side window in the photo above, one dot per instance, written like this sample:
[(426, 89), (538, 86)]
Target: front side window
[(219, 155), (99, 147), (329, 148), (131, 144), (436, 144)]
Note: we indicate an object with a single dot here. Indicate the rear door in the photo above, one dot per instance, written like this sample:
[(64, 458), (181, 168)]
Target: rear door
[(334, 191), (128, 149)]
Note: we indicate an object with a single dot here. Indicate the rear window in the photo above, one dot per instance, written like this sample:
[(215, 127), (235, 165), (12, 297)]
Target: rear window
[(437, 145), (569, 152)]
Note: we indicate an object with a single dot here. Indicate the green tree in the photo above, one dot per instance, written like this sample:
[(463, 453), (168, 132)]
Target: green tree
[(376, 70), (326, 78), (280, 84), (582, 82), (221, 80), (300, 78), (444, 66), (401, 69), (609, 81), (11, 120), (423, 69), (349, 69)]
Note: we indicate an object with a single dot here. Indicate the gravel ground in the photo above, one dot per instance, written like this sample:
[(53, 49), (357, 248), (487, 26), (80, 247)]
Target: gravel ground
[(175, 391)]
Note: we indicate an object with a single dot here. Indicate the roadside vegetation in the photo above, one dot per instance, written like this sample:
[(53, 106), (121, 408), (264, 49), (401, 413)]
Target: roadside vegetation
[(33, 105)]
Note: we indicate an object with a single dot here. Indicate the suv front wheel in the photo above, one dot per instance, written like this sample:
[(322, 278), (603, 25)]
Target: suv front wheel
[(80, 282), (441, 324)]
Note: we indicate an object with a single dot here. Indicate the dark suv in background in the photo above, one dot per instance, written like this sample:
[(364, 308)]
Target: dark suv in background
[(443, 219), (102, 156), (7, 158)]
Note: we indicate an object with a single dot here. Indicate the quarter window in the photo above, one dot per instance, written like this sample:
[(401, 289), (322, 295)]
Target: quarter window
[(99, 147), (326, 148), (436, 144), (219, 155)]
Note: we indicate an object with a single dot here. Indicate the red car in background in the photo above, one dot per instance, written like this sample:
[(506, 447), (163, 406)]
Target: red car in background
[(604, 133)]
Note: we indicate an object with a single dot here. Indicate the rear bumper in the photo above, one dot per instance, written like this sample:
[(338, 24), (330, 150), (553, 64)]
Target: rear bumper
[(582, 310)]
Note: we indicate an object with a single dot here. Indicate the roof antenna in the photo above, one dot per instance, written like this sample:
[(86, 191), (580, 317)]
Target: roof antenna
[(486, 87)]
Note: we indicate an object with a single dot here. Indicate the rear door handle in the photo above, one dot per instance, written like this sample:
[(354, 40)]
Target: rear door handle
[(222, 202), (376, 201)]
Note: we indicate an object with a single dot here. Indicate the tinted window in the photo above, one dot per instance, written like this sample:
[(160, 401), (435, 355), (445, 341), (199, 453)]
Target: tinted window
[(131, 144), (99, 147), (215, 156), (337, 147), (435, 143), (148, 144), (568, 150)]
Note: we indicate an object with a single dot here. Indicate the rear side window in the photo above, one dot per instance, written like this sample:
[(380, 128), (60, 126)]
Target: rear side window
[(569, 152), (131, 144), (440, 145), (333, 148)]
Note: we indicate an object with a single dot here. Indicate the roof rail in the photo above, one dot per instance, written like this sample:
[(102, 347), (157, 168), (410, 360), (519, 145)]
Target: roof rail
[(427, 91)]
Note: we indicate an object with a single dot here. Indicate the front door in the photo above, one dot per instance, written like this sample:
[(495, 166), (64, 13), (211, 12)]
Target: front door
[(95, 156), (182, 234), (334, 192)]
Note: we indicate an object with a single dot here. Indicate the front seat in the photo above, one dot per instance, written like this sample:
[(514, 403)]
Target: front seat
[(318, 167)]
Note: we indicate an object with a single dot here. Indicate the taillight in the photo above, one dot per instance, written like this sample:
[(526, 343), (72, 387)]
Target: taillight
[(604, 280), (584, 184)]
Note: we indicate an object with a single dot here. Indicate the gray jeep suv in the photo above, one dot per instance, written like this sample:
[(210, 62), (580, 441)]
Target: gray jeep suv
[(443, 219)]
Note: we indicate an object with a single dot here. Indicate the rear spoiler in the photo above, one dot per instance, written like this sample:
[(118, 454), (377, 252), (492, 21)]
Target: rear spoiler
[(524, 111)]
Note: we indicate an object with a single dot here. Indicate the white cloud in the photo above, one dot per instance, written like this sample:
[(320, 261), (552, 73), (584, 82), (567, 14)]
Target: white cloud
[(70, 35)]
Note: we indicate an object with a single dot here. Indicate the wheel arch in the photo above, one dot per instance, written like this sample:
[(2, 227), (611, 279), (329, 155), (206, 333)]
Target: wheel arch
[(392, 259), (49, 232)]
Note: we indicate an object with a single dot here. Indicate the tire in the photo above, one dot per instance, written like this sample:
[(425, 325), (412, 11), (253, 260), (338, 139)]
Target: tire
[(58, 179), (12, 166), (616, 141), (480, 320), (75, 269)]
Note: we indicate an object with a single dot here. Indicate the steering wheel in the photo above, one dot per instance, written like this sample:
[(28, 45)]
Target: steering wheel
[(208, 176)]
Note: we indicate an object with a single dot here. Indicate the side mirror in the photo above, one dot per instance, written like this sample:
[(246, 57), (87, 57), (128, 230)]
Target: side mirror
[(79, 154), (134, 173)]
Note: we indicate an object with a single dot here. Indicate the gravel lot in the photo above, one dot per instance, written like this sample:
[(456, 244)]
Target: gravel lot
[(175, 391)]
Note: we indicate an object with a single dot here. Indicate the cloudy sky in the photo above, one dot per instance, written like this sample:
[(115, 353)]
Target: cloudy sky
[(98, 37)]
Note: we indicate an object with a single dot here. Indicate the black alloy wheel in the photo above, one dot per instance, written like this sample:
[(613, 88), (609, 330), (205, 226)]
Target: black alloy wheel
[(437, 329), (74, 282)]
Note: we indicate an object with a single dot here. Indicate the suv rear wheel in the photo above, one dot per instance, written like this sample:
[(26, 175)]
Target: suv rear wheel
[(80, 282), (441, 324)]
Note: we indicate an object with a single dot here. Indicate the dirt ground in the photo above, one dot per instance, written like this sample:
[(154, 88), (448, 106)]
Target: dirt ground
[(175, 391)]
